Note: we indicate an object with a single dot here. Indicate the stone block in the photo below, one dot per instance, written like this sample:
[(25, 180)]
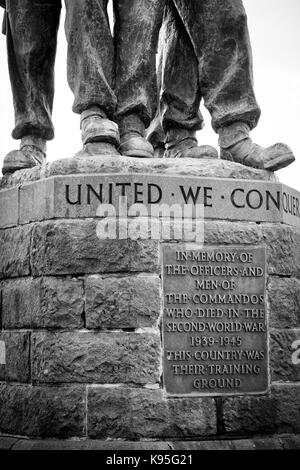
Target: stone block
[(285, 355), (122, 302), (82, 356), (290, 442), (267, 443), (284, 301), (15, 251), (20, 301), (283, 249), (88, 444), (243, 444), (17, 359), (232, 233), (46, 302), (132, 413), (73, 247), (61, 303), (9, 207), (36, 201), (277, 412), (201, 445), (6, 443), (42, 411)]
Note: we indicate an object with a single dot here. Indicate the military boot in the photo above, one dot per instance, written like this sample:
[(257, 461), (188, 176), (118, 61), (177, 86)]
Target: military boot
[(100, 136), (182, 143), (237, 146), (133, 141), (32, 153)]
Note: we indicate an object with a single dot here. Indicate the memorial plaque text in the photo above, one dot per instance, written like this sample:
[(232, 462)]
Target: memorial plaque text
[(214, 324)]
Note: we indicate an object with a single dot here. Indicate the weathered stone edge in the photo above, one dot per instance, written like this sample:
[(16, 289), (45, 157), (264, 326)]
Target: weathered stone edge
[(274, 442), (23, 208)]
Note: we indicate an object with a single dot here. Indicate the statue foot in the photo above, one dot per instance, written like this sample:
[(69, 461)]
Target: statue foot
[(197, 151), (94, 149), (237, 146), (135, 145), (28, 156), (272, 158), (95, 127), (182, 143)]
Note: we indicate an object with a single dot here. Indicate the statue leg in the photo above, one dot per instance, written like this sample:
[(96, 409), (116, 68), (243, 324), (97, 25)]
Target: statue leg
[(136, 36), (91, 74), (31, 31), (155, 133), (180, 93), (219, 34)]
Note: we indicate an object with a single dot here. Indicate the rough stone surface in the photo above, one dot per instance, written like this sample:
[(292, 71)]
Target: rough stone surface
[(201, 445), (89, 444), (122, 302), (132, 413), (17, 350), (267, 443), (276, 442), (107, 164), (42, 411), (290, 442), (278, 412), (243, 444), (285, 355), (283, 249), (116, 357), (284, 301), (7, 443), (15, 251), (9, 207), (230, 233), (46, 302), (20, 302), (36, 201), (72, 247)]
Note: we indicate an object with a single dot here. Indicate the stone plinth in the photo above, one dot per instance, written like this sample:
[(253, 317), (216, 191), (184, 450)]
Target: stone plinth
[(81, 349)]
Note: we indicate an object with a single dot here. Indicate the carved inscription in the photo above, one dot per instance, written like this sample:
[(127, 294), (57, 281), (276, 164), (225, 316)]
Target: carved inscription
[(214, 323)]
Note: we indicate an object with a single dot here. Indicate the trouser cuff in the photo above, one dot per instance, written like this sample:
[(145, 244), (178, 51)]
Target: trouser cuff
[(90, 112)]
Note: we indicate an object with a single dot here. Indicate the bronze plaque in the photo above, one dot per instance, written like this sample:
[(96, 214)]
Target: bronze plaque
[(214, 322)]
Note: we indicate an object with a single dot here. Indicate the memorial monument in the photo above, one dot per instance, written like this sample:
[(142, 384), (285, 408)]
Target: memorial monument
[(146, 298)]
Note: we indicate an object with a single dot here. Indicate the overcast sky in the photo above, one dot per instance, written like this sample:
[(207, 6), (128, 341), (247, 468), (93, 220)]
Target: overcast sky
[(275, 34)]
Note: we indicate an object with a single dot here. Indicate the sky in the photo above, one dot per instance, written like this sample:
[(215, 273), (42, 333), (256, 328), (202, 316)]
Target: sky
[(274, 27)]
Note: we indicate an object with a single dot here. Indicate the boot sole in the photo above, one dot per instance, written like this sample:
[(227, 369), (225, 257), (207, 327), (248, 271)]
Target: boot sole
[(280, 162), (8, 169), (136, 153)]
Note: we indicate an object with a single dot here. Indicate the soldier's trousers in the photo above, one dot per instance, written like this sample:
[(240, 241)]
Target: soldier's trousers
[(117, 74), (206, 53)]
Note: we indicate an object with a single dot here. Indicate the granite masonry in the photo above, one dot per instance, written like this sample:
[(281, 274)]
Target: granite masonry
[(83, 348)]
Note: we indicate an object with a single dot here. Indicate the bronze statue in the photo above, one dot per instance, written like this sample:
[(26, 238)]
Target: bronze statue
[(205, 53), (113, 79)]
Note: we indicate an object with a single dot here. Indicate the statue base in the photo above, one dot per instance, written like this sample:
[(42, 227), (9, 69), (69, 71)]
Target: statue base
[(122, 321)]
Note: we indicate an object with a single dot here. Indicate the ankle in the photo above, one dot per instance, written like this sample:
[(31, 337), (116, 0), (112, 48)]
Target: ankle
[(233, 134), (131, 124), (180, 138), (33, 141), (92, 113)]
